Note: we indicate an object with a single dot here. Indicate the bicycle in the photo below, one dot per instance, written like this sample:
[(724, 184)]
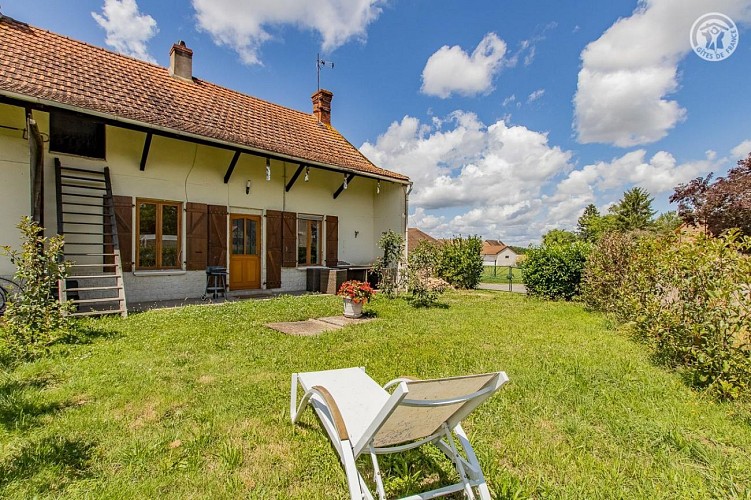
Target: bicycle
[(8, 290)]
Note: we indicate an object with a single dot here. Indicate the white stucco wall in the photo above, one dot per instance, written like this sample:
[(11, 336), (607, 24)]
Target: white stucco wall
[(15, 181), (185, 172), (505, 257)]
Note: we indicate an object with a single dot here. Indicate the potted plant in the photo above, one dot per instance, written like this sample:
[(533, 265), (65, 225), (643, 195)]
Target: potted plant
[(355, 294)]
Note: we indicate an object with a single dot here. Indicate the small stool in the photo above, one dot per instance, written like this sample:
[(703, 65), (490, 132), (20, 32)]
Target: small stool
[(216, 281)]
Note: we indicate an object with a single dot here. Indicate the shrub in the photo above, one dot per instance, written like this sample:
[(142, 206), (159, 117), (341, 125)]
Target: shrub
[(34, 319), (607, 271), (387, 267), (422, 282), (460, 262), (555, 272), (688, 298)]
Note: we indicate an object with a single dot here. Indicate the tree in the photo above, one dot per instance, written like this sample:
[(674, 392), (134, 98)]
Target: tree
[(558, 237), (719, 205), (634, 210), (667, 222), (387, 267), (589, 226), (460, 262), (35, 319)]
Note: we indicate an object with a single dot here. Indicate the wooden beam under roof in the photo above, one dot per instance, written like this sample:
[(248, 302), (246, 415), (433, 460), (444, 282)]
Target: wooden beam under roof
[(145, 154), (231, 167), (294, 177)]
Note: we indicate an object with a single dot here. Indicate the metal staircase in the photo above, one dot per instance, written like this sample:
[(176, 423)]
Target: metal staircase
[(86, 217)]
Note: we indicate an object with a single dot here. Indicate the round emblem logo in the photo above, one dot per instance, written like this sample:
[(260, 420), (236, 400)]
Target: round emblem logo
[(714, 36)]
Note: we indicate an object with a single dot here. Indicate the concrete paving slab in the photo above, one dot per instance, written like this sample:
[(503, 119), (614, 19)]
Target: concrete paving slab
[(341, 321), (303, 328), (316, 326)]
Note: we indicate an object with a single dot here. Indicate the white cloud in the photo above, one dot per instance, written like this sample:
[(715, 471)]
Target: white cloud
[(536, 95), (245, 26), (628, 74), (493, 175), (127, 29), (508, 182), (452, 70), (659, 174), (510, 100), (742, 150)]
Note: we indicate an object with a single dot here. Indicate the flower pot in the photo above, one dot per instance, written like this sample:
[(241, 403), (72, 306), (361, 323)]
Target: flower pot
[(352, 309)]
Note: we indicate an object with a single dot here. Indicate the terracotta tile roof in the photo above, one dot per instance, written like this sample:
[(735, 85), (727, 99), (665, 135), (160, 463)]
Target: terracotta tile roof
[(492, 247), (415, 237), (44, 65)]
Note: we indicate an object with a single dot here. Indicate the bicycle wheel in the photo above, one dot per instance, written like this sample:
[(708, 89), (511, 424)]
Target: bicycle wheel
[(8, 289)]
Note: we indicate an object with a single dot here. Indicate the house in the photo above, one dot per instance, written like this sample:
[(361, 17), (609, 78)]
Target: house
[(415, 237), (153, 174), (496, 253)]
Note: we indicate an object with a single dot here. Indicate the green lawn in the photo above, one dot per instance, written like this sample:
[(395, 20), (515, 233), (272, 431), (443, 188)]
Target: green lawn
[(500, 274), (193, 403)]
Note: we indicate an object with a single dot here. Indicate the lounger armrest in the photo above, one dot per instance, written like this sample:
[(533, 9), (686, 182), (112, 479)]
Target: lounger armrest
[(400, 379), (336, 415)]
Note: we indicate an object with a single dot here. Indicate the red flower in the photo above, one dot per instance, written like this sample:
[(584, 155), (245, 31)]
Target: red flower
[(358, 291)]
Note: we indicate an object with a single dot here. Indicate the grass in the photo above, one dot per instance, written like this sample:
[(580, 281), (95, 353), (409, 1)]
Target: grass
[(499, 274), (193, 403)]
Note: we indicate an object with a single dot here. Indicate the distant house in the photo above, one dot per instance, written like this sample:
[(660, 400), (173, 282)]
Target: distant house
[(497, 253), (415, 237), (153, 174)]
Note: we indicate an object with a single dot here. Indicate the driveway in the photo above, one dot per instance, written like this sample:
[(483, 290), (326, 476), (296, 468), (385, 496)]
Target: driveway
[(503, 287)]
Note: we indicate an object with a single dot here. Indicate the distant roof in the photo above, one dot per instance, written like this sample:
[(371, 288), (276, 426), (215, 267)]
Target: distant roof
[(415, 237), (493, 247), (37, 64)]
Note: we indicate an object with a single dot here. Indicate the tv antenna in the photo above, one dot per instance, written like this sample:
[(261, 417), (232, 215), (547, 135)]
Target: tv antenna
[(320, 63)]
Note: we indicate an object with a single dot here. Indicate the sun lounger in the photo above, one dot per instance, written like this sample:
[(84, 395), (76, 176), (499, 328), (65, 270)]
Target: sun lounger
[(360, 417)]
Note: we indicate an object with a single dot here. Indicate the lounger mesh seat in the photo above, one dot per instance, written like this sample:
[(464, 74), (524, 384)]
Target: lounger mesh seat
[(360, 417)]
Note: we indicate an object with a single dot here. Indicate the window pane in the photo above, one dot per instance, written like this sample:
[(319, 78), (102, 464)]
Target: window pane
[(315, 231), (169, 236), (169, 220), (147, 236), (302, 241), (238, 236), (169, 251), (251, 240)]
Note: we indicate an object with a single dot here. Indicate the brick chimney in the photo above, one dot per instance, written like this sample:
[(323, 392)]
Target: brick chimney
[(181, 61), (322, 106)]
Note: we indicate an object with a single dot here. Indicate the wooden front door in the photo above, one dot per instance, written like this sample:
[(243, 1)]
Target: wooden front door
[(245, 259)]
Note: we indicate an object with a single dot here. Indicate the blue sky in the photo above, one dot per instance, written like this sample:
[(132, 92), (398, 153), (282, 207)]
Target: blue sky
[(510, 117)]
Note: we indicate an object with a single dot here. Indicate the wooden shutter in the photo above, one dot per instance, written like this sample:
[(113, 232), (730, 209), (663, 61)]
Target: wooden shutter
[(217, 237), (289, 239), (273, 249), (124, 219), (197, 239), (332, 240)]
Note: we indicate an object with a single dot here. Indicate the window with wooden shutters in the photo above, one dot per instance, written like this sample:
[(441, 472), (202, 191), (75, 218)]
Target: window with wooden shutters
[(332, 240), (158, 231), (273, 249), (197, 236), (309, 241)]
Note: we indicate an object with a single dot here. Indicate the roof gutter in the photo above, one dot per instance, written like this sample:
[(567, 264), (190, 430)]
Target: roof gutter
[(128, 123)]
